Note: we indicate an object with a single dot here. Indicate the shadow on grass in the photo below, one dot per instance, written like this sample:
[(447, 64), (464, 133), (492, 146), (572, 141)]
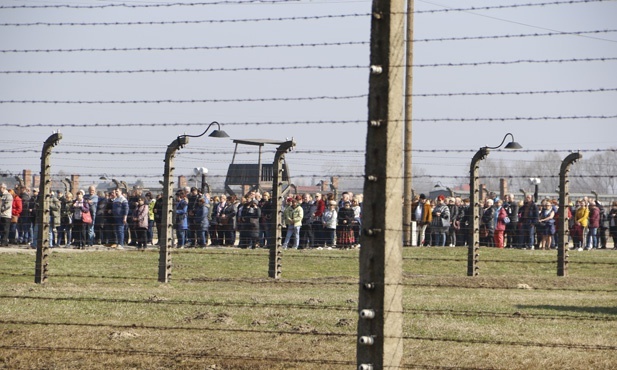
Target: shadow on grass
[(577, 309)]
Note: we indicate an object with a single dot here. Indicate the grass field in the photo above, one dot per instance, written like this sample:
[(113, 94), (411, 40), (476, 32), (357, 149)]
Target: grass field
[(106, 310)]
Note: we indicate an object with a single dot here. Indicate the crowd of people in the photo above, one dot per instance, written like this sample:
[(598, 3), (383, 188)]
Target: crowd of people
[(116, 218), (76, 221), (310, 220), (510, 223)]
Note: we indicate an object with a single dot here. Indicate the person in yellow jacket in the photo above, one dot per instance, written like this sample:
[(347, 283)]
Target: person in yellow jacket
[(292, 215), (581, 221)]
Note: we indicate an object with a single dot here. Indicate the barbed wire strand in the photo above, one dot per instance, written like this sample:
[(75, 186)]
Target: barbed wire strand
[(334, 68), (521, 35), (513, 343), (314, 333), (425, 40), (415, 259), (174, 354), (185, 22), (358, 176), (278, 2), (156, 5), (255, 253), (211, 21), (296, 151), (318, 122), (509, 6), (304, 306), (325, 282), (186, 48), (187, 101), (520, 61)]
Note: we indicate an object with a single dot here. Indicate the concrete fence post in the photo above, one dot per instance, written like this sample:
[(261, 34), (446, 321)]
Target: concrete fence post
[(564, 200), (42, 213), (275, 242)]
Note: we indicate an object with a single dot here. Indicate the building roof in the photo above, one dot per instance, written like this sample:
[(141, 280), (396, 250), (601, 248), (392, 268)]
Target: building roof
[(260, 142)]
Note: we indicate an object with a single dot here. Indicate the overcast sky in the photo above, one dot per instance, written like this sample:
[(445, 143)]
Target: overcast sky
[(219, 35)]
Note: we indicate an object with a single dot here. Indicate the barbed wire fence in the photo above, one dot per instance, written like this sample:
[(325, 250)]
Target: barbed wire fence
[(284, 46), (21, 147)]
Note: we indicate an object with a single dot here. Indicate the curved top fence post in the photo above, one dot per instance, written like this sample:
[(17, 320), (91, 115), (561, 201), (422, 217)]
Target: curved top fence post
[(168, 211), (474, 230), (275, 238), (42, 213), (564, 201)]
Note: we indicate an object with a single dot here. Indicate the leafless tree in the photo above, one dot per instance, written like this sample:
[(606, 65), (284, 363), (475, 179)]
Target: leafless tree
[(593, 173), (421, 181), (596, 173)]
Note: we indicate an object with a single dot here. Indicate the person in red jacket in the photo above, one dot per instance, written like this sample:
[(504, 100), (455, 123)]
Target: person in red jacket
[(318, 229), (594, 224), (16, 211), (500, 226)]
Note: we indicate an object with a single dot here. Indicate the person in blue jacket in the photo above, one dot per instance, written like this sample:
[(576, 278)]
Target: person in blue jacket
[(119, 211), (182, 225), (201, 221)]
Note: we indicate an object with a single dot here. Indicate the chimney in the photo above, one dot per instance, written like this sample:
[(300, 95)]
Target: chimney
[(36, 181), (27, 176), (182, 181), (75, 183), (334, 182), (503, 188)]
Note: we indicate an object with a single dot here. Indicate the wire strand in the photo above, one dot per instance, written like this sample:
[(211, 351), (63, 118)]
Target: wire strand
[(252, 2), (306, 67), (204, 21), (509, 6), (156, 5), (187, 48), (185, 101)]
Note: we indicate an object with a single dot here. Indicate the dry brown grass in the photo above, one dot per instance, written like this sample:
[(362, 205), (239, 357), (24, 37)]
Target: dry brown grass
[(103, 310)]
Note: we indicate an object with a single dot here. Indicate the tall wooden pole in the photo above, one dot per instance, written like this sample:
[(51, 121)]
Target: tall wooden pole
[(380, 325), (407, 186)]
